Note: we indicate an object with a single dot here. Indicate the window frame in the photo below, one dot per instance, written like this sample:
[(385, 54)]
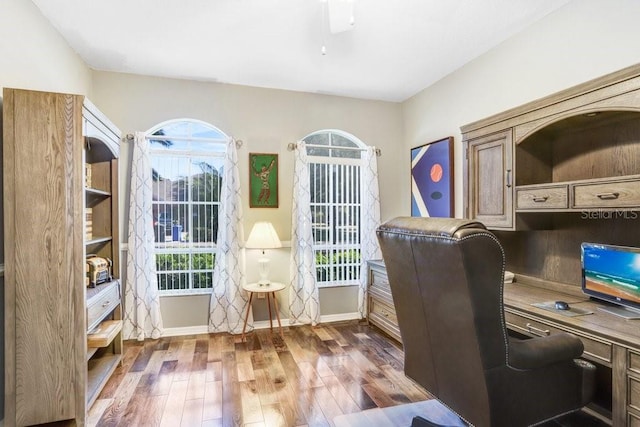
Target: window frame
[(187, 248), (333, 162)]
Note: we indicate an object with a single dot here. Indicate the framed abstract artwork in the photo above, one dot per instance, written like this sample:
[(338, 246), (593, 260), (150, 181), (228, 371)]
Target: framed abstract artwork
[(432, 179), (263, 180)]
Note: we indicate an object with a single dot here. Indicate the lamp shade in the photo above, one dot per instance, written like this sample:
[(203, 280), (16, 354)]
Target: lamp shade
[(263, 236)]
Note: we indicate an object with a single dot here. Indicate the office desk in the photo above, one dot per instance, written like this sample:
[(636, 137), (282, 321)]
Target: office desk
[(611, 342)]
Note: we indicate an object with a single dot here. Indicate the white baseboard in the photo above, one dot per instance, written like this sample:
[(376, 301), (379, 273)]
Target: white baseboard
[(261, 324)]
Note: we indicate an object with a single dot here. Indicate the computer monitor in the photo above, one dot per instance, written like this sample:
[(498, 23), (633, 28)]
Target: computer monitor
[(612, 273)]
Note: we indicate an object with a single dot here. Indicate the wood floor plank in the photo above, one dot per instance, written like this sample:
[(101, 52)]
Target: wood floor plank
[(152, 414), (327, 402), (265, 388), (274, 416), (196, 387), (353, 385), (192, 413), (174, 406), (212, 401), (214, 353), (164, 379), (307, 378), (231, 400), (214, 371), (251, 406), (409, 389), (122, 395), (185, 360), (96, 411), (340, 394)]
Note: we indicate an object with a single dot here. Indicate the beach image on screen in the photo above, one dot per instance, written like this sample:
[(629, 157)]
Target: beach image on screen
[(613, 272)]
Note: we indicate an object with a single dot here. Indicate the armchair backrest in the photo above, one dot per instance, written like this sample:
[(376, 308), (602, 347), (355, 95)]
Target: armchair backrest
[(446, 278)]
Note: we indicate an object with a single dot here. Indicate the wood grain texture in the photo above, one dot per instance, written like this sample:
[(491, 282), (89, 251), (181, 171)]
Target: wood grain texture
[(491, 180), (46, 343), (264, 381), (42, 149)]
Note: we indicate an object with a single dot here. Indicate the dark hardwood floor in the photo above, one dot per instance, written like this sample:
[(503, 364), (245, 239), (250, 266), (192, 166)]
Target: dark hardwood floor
[(307, 378)]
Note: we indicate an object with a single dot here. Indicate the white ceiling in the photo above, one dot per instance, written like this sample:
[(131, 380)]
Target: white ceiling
[(395, 49)]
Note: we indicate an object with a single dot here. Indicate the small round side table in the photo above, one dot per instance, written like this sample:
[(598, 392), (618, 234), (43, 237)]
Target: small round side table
[(270, 290)]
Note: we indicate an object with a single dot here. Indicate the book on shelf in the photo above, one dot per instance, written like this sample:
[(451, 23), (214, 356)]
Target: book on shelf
[(87, 175)]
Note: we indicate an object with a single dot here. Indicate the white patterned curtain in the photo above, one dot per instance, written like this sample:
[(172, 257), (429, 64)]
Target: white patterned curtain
[(142, 317), (228, 299), (370, 220), (304, 301)]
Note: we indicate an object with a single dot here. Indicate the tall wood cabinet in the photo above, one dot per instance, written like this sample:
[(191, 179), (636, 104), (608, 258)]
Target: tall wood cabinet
[(62, 339)]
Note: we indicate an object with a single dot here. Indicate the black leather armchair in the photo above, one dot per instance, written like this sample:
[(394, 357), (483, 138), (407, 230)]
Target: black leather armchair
[(446, 277)]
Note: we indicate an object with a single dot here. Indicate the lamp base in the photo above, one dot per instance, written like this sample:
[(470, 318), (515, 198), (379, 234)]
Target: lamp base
[(263, 270)]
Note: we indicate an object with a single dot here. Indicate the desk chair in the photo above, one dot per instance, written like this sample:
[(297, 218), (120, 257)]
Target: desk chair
[(446, 277)]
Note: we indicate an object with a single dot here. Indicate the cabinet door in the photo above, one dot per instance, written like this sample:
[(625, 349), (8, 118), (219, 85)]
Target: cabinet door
[(490, 180)]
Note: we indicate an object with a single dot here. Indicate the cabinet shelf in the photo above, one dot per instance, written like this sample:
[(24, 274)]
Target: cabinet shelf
[(98, 373), (104, 334), (98, 240), (95, 192)]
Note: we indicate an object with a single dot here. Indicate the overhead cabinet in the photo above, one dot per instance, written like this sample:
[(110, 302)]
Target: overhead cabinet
[(62, 338), (575, 151)]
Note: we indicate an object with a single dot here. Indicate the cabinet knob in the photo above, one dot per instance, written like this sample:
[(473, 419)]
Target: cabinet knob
[(608, 196), (106, 304), (540, 199), (538, 331)]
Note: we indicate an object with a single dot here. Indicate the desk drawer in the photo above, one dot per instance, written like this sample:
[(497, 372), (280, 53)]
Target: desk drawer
[(633, 391), (384, 316), (594, 348), (634, 361), (102, 304), (542, 197), (380, 284), (617, 194)]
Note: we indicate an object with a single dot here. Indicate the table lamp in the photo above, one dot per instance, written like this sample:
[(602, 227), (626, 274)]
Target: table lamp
[(263, 236)]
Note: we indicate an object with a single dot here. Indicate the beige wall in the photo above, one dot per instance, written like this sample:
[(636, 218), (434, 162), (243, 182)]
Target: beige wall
[(581, 41), (34, 55), (266, 121)]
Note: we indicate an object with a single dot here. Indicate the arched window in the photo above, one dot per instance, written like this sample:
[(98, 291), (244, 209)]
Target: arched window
[(187, 157), (334, 172)]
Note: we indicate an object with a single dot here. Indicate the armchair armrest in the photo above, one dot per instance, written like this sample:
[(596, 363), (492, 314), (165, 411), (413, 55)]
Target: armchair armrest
[(538, 352)]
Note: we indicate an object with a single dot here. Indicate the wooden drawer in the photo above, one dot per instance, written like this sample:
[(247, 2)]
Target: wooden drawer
[(384, 316), (615, 194), (633, 419), (380, 284), (633, 390), (634, 361), (543, 197), (100, 305), (594, 348)]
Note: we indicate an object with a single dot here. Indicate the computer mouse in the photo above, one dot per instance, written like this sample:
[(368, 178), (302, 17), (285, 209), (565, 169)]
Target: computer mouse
[(561, 305)]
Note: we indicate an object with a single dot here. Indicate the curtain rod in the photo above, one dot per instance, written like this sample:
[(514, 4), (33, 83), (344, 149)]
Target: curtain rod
[(293, 145), (130, 137)]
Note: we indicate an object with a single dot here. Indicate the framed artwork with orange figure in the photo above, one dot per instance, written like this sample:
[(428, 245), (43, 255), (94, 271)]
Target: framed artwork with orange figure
[(263, 180), (432, 179)]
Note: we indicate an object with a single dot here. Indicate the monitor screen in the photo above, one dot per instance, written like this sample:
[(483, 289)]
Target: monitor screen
[(611, 273)]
